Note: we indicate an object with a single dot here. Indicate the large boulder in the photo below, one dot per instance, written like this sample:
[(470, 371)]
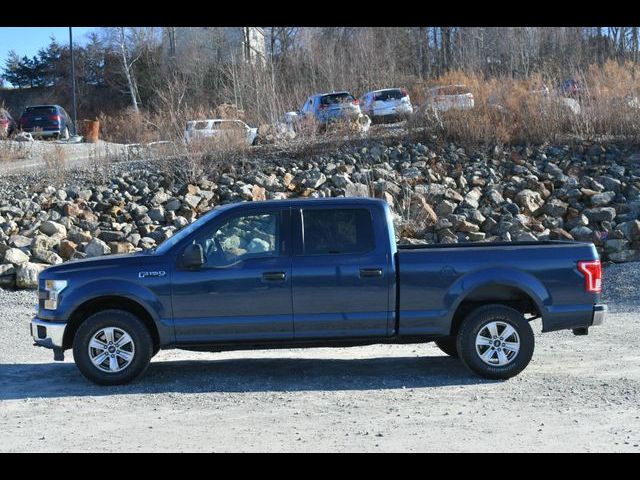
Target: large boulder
[(529, 200), (15, 256), (602, 199), (631, 230), (96, 248), (600, 214), (51, 228), (27, 274)]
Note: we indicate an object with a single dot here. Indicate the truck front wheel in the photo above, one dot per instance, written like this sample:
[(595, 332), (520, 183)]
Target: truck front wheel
[(496, 342), (112, 347)]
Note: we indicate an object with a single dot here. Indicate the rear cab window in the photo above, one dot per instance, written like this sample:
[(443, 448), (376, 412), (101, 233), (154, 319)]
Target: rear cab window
[(337, 231)]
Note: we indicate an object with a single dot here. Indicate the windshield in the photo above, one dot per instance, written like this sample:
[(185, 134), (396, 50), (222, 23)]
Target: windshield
[(186, 231)]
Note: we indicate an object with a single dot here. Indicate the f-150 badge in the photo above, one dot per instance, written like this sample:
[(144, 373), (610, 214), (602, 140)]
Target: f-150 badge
[(158, 273)]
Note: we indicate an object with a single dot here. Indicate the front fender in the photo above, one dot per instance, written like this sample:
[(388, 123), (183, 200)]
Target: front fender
[(74, 297)]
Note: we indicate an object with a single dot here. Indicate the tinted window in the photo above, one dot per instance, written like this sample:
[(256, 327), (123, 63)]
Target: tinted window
[(41, 110), (242, 237), (386, 95), (336, 98), (337, 231)]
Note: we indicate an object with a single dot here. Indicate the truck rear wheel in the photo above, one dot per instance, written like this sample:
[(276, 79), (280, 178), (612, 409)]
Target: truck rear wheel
[(496, 342), (448, 345), (112, 347)]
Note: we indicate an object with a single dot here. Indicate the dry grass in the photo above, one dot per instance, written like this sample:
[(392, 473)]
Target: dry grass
[(10, 151), (511, 110), (56, 163)]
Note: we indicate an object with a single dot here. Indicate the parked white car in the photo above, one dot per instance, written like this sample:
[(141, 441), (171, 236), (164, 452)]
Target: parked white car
[(450, 97), (225, 129), (388, 103)]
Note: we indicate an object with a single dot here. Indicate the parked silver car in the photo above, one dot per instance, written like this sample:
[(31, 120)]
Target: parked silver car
[(327, 107), (386, 104), (450, 97), (224, 129)]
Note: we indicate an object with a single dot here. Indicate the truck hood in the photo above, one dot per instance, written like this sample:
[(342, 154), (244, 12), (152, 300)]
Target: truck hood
[(100, 263)]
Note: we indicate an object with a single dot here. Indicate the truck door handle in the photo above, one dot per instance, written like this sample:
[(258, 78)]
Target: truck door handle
[(273, 276), (370, 272)]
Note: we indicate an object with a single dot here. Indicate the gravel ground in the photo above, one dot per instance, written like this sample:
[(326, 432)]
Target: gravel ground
[(578, 394), (47, 155)]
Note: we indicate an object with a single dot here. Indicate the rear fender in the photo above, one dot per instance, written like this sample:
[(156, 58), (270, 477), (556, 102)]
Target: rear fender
[(496, 277)]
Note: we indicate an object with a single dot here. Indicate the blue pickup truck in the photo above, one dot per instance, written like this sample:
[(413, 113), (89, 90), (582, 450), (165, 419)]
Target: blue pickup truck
[(313, 273)]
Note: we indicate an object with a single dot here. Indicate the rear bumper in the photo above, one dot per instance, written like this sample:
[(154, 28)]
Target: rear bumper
[(571, 317), (41, 133), (391, 111), (47, 334)]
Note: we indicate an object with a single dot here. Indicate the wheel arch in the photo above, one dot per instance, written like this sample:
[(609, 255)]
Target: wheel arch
[(109, 302), (513, 288)]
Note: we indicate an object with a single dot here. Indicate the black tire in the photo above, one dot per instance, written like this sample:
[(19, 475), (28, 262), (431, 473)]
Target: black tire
[(123, 321), (480, 318), (448, 345)]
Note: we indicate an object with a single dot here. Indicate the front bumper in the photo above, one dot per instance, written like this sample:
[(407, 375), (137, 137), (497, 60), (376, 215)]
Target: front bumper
[(599, 312), (47, 334)]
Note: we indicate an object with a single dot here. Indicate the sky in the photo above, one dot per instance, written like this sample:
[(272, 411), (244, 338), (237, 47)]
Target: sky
[(28, 40)]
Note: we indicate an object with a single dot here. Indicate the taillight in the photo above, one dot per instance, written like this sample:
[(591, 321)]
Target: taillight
[(55, 118), (404, 92), (355, 101), (592, 271)]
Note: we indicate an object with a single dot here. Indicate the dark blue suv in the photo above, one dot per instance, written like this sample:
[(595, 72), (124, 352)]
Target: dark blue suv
[(45, 121)]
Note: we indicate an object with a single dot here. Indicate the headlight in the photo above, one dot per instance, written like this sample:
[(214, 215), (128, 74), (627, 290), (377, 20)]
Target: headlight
[(53, 289)]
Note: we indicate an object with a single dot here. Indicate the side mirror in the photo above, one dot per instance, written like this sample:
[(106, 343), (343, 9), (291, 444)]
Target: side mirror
[(193, 256)]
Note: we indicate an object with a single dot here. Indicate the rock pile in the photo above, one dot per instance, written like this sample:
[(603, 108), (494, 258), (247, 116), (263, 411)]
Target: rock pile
[(439, 193)]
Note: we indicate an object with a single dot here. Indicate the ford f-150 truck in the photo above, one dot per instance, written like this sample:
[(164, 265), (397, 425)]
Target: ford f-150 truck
[(313, 273)]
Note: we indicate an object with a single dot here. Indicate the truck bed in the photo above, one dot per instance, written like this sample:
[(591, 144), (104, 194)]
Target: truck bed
[(434, 278)]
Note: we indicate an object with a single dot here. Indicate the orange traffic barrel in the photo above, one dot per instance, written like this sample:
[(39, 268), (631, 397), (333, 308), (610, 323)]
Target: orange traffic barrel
[(91, 131)]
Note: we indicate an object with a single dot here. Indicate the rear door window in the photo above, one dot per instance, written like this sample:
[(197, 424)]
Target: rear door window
[(337, 231)]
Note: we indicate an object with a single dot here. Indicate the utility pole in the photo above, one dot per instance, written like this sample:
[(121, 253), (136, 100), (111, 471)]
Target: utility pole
[(73, 83)]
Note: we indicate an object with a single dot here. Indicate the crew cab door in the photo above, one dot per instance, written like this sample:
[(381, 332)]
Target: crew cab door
[(243, 290), (340, 274)]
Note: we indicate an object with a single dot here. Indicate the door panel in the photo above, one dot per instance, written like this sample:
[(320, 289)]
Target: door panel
[(340, 275), (235, 303), (243, 291), (332, 299)]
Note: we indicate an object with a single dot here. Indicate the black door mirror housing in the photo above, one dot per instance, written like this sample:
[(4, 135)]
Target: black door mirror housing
[(193, 256)]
